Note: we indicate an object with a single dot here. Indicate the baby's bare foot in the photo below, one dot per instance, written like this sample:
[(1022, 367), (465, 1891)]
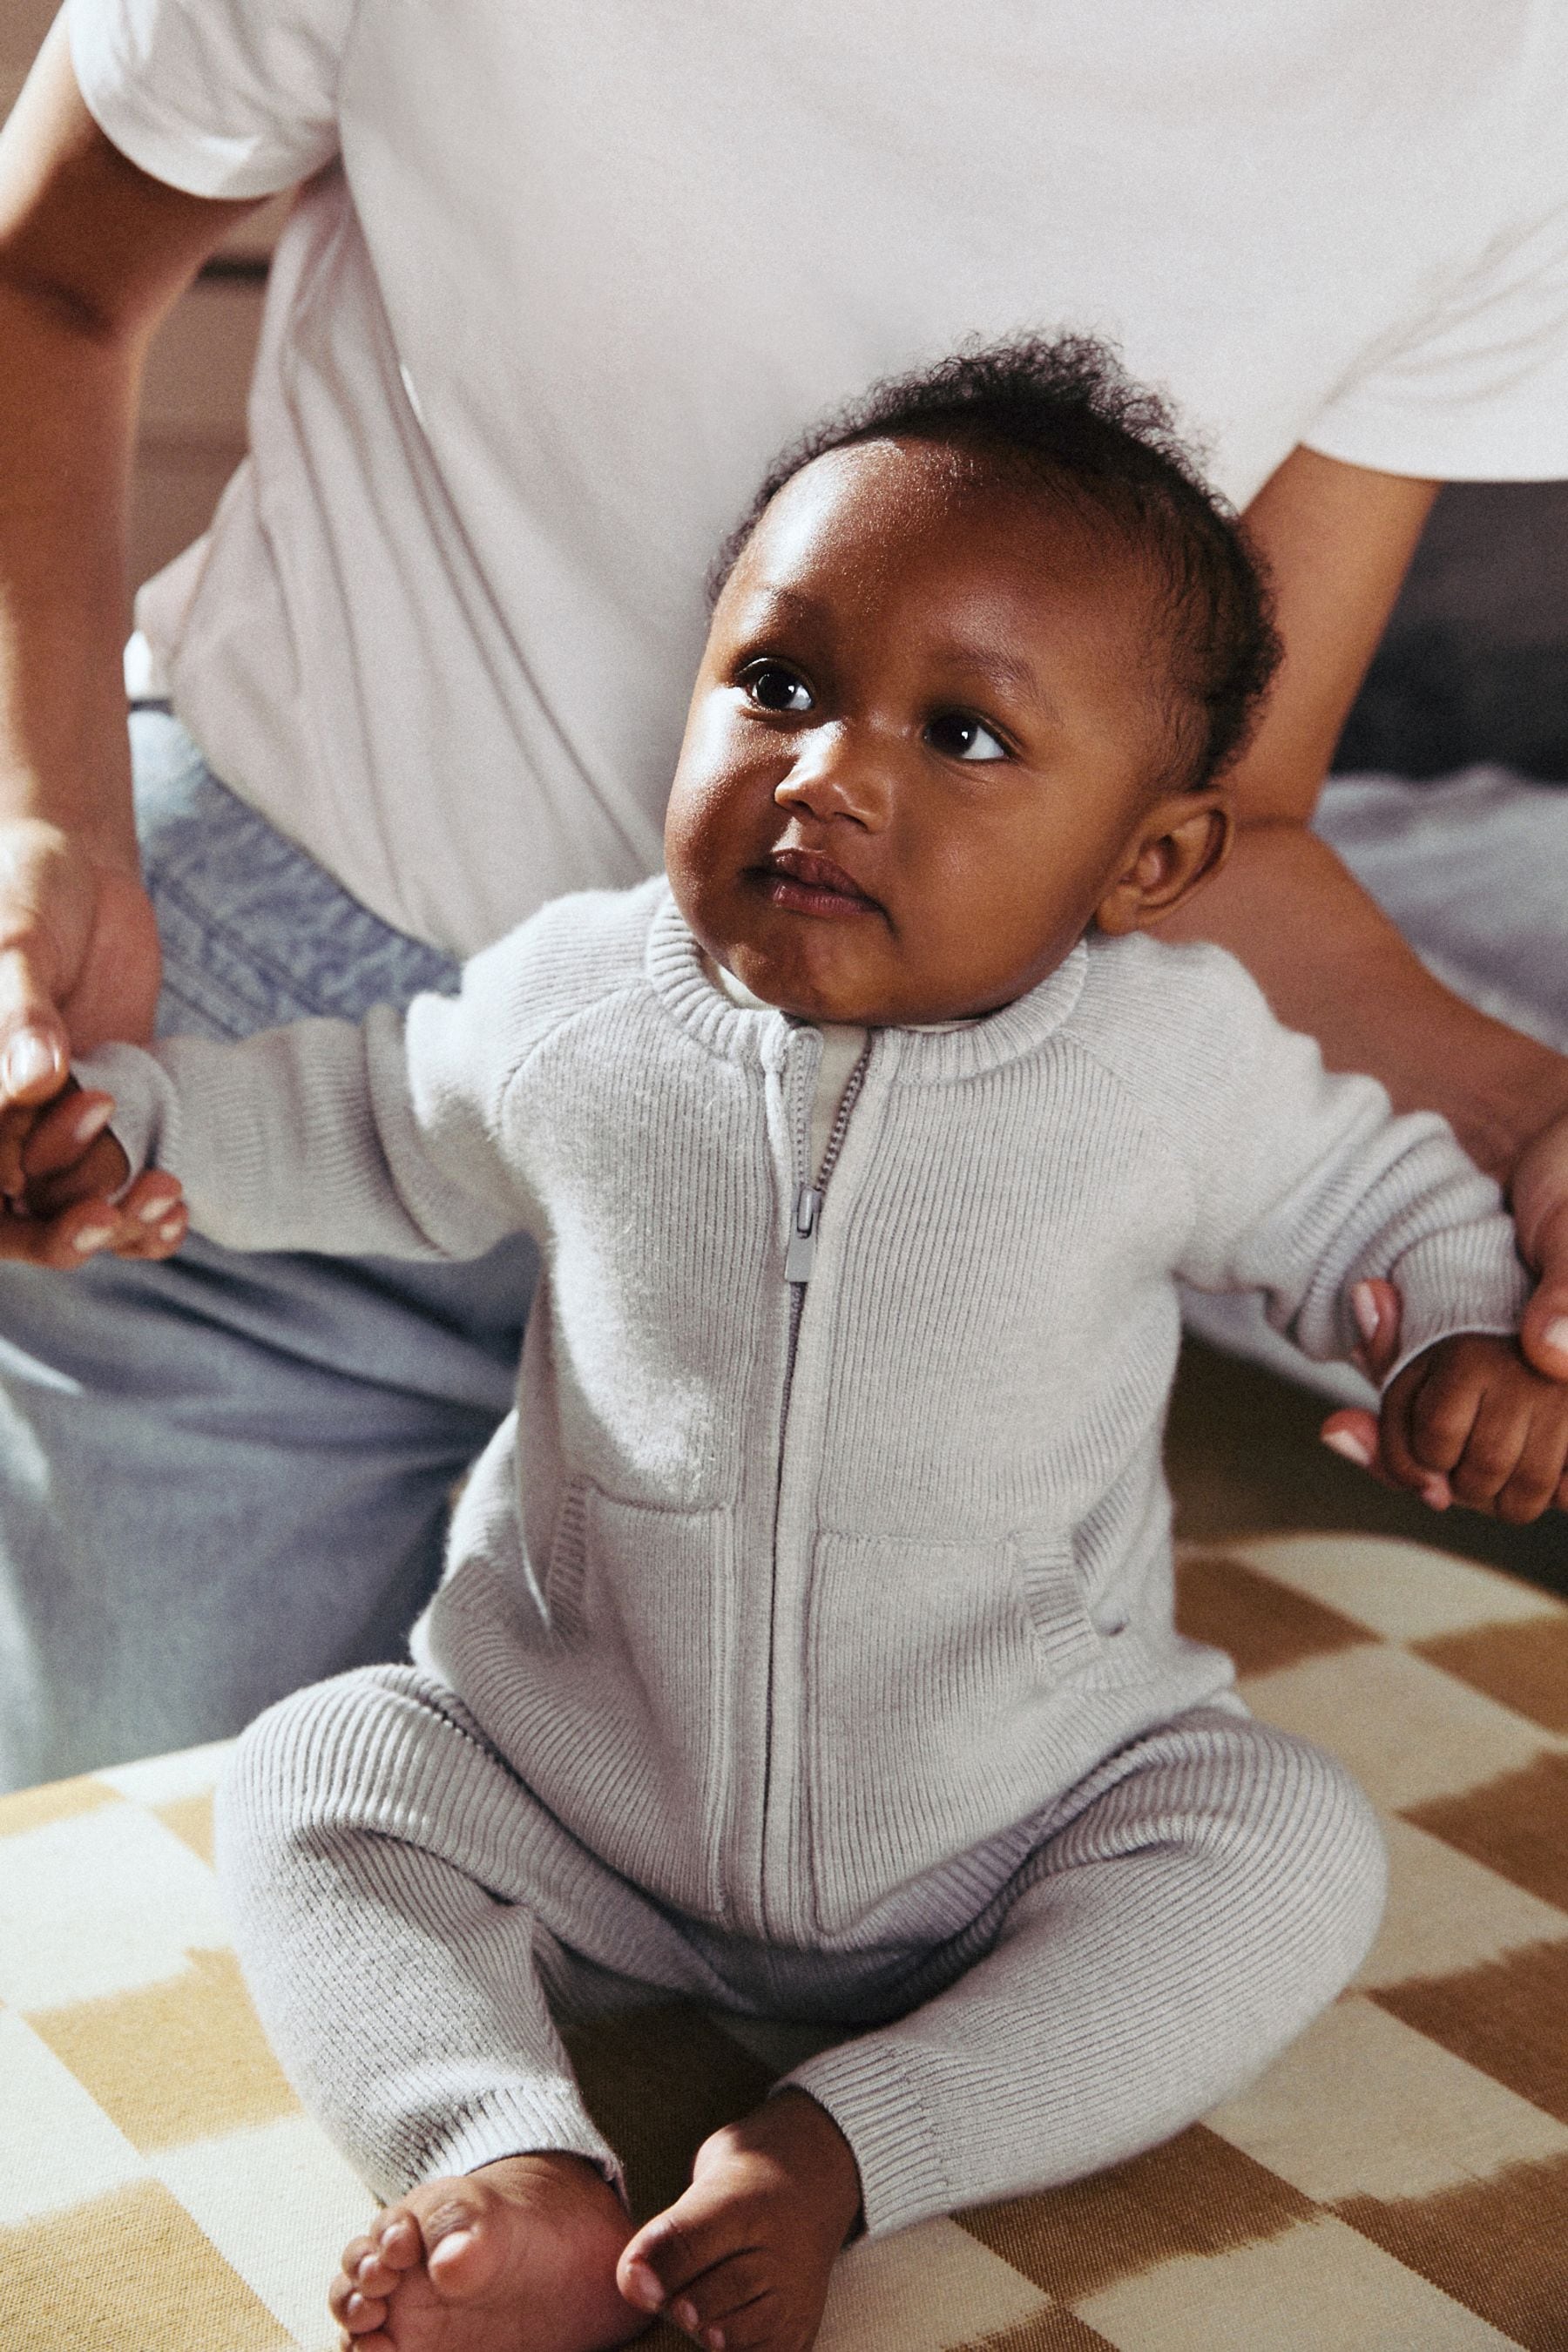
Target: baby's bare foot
[(519, 2256), (742, 2260)]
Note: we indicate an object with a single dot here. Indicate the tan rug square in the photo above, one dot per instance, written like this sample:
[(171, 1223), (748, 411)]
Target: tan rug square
[(1516, 1823), (175, 2060), (1525, 1665), (129, 2273), (1263, 1624), (1195, 2195), (1508, 2018), (1499, 2246)]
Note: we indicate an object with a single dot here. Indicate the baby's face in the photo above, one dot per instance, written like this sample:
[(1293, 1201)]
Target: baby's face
[(920, 744)]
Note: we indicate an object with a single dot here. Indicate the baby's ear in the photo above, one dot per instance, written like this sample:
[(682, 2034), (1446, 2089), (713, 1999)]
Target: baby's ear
[(1182, 841)]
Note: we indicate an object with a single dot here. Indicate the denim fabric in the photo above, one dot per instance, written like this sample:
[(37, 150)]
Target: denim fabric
[(228, 1474)]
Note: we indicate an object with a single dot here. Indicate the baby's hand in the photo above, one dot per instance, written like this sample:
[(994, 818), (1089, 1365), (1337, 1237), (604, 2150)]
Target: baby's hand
[(59, 1166), (1470, 1410)]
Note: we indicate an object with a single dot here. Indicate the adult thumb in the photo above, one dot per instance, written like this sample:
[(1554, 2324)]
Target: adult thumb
[(1539, 1197), (1375, 1303), (35, 1050), (1544, 1334), (1353, 1431)]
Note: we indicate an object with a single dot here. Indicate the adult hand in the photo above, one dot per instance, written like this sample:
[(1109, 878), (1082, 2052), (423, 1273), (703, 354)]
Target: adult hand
[(78, 957), (79, 964), (1539, 1197)]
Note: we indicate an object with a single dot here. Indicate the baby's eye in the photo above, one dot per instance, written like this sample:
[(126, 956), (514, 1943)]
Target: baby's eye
[(958, 735), (774, 687)]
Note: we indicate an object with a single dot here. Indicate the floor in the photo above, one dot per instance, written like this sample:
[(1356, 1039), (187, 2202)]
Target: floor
[(1244, 1459)]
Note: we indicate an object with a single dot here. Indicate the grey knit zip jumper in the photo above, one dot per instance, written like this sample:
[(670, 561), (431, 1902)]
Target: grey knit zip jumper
[(799, 1607)]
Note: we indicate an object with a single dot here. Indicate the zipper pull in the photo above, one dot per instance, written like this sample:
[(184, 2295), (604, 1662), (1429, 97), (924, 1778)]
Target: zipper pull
[(803, 1235)]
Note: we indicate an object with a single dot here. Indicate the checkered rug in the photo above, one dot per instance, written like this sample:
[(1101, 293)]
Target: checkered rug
[(1397, 2183)]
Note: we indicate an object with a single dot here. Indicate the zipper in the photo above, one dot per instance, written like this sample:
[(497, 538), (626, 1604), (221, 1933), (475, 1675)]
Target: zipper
[(806, 1218), (799, 1259)]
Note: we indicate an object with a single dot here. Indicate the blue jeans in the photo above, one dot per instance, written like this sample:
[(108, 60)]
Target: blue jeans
[(227, 1474)]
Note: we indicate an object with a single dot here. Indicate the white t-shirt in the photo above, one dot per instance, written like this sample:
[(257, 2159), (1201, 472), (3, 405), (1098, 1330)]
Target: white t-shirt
[(566, 277)]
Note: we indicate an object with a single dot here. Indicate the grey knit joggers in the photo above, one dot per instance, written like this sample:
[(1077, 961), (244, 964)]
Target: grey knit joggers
[(1182, 1914)]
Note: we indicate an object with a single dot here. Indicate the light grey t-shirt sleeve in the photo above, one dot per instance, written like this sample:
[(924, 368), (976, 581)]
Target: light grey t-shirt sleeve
[(1477, 389), (220, 98)]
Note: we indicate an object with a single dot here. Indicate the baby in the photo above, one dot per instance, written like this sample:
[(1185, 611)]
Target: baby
[(805, 1645)]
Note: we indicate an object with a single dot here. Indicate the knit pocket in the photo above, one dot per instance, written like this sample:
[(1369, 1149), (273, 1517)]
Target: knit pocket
[(639, 1600), (931, 1669), (1052, 1589), (567, 1569)]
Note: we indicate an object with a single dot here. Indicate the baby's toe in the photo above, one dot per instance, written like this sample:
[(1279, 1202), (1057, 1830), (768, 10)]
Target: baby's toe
[(465, 2235), (374, 2274), (356, 2312), (394, 2239)]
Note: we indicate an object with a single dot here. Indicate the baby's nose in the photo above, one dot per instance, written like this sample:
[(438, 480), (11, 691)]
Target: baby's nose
[(836, 773)]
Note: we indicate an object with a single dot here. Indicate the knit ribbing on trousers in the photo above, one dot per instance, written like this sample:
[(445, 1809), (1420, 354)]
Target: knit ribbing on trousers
[(1199, 1897), (402, 1994), (1191, 1921)]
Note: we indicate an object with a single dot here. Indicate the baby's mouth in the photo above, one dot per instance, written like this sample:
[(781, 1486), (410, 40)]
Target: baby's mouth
[(809, 884)]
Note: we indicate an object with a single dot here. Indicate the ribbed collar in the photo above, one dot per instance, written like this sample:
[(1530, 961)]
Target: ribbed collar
[(674, 966)]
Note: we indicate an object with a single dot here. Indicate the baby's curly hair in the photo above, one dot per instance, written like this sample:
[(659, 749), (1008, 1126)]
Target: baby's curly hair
[(1061, 414)]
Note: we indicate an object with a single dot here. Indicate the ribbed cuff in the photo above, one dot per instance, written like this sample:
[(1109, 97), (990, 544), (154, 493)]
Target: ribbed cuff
[(866, 2090), (520, 2121), (1469, 1280), (123, 1071)]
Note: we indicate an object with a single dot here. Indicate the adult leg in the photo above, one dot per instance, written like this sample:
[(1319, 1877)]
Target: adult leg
[(1215, 1885), (1469, 866), (225, 1476)]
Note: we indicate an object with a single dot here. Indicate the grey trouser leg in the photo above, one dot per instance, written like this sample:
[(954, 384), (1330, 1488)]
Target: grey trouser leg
[(1214, 1887), (407, 1912), (407, 1915)]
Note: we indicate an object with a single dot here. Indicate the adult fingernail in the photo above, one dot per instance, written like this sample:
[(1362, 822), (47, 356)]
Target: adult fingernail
[(1555, 1335), (1435, 1494), (28, 1060), (91, 1237), (1363, 1306), (92, 1121), (642, 2288), (684, 2315), (172, 1231), (150, 1211), (1340, 1441)]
